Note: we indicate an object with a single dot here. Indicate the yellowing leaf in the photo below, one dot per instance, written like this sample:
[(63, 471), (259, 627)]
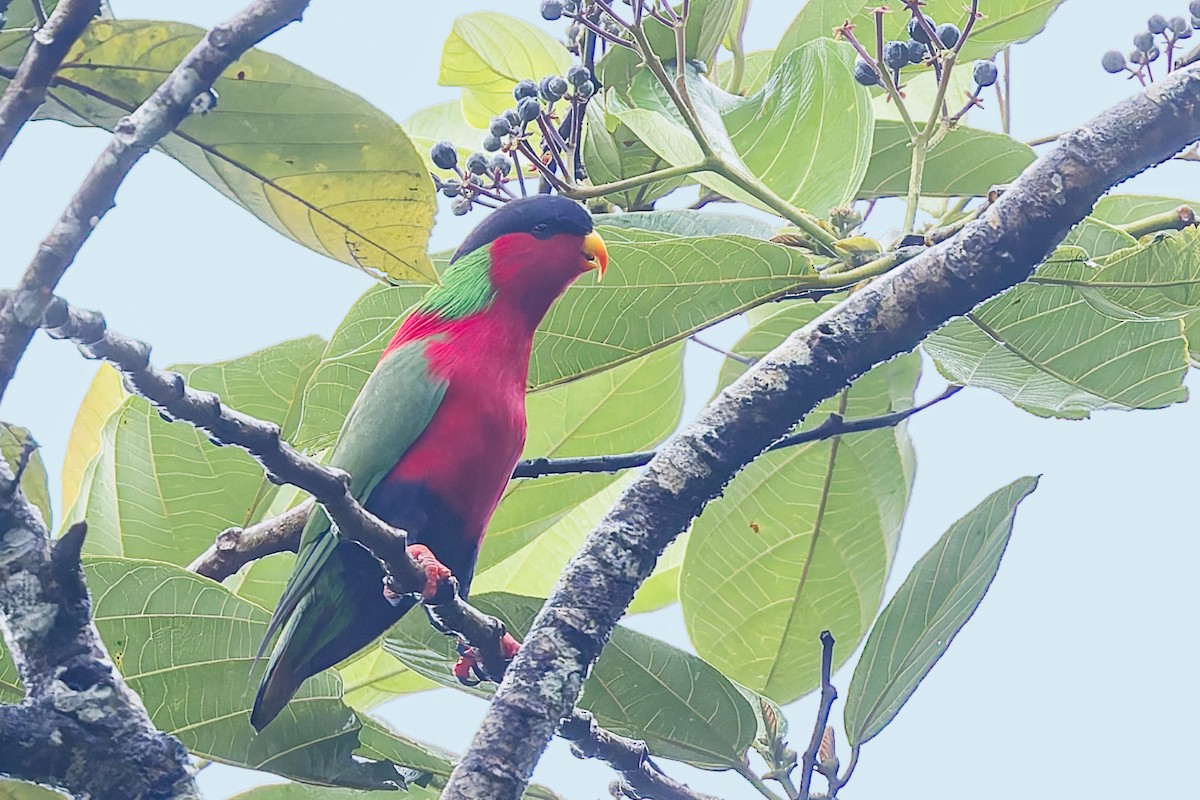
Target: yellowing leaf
[(103, 397)]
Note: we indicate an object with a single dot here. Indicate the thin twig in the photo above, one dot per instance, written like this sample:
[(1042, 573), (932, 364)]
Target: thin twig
[(808, 760)]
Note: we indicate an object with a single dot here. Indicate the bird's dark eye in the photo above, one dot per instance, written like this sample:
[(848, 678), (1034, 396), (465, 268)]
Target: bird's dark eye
[(541, 230)]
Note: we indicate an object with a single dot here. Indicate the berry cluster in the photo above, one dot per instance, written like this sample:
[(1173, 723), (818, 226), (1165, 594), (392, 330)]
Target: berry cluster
[(1146, 49), (510, 136)]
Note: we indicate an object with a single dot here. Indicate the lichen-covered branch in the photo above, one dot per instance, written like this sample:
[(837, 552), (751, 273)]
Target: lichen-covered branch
[(890, 316), (234, 548), (133, 137), (49, 45), (79, 727)]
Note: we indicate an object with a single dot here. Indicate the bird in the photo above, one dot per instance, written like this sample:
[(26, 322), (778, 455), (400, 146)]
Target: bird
[(432, 438)]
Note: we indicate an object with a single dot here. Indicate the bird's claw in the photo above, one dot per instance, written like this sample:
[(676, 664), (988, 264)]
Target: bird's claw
[(469, 669)]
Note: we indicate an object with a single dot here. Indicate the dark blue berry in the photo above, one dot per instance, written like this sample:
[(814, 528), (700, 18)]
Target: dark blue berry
[(895, 54), (1113, 61), (585, 91), (864, 73), (948, 33), (916, 51), (500, 163), (1144, 41), (452, 188), (579, 75), (460, 206), (1180, 27), (1157, 24), (1137, 57), (477, 163), (556, 87), (917, 31), (524, 89), (491, 143), (985, 73), (552, 9), (514, 119), (1194, 7), (499, 126), (528, 109), (1152, 54), (444, 155)]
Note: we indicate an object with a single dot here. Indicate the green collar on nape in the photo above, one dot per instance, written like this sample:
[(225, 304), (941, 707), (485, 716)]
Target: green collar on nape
[(466, 287)]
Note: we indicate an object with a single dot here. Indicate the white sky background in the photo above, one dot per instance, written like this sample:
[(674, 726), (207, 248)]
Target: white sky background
[(1076, 675)]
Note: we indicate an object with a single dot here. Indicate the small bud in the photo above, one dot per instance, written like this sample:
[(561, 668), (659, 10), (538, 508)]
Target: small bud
[(452, 188), (500, 163), (514, 119), (491, 143)]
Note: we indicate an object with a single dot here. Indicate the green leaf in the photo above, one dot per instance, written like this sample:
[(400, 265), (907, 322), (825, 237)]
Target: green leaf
[(1097, 238), (688, 223), (11, 689), (618, 154), (968, 162), (937, 598), (299, 791), (920, 90), (630, 408), (104, 396), (442, 122), (317, 163), (807, 132), (707, 23), (34, 483), (1048, 349), (802, 539), (487, 53), (758, 68), (19, 790), (534, 569), (374, 676), (161, 490), (1121, 209), (1007, 22), (640, 687), (186, 646)]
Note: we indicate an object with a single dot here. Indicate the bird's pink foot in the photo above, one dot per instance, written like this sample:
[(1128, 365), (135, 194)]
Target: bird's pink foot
[(469, 668), (435, 573)]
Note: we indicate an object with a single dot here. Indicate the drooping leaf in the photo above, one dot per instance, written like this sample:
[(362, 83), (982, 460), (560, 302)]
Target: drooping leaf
[(103, 397), (802, 540), (630, 408), (1048, 349), (186, 646), (968, 162), (640, 687), (1007, 22), (17, 447), (937, 598), (487, 53), (315, 162), (1121, 209), (161, 490)]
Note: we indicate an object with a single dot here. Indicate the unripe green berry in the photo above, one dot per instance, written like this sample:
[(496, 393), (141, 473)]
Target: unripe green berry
[(864, 73), (985, 73), (444, 155), (948, 33), (1113, 61), (477, 163), (1157, 24), (895, 54)]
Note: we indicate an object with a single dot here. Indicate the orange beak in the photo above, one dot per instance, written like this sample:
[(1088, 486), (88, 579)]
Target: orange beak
[(596, 253)]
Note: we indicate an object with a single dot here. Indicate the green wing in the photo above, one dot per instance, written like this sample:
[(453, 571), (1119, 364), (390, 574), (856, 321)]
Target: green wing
[(394, 407)]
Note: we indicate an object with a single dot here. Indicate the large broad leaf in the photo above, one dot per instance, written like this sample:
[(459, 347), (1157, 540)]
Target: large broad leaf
[(442, 122), (1066, 348), (802, 540), (1095, 238), (19, 790), (161, 490), (104, 396), (688, 223), (1007, 22), (612, 152), (707, 24), (11, 690), (487, 53), (807, 132), (937, 598), (968, 162), (186, 645), (1121, 209), (630, 408), (640, 687), (16, 446), (374, 676), (315, 162)]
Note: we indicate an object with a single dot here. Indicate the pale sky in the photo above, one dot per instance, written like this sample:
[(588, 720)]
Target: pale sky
[(1074, 678)]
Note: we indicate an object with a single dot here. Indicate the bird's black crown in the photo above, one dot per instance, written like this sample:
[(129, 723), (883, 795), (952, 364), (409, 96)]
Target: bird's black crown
[(542, 215)]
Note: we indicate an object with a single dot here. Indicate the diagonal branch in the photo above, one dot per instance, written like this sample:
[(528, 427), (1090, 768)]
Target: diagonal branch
[(133, 136), (49, 47), (887, 317)]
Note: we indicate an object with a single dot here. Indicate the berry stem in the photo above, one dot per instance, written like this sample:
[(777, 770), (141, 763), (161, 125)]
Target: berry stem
[(520, 172), (972, 16), (587, 192)]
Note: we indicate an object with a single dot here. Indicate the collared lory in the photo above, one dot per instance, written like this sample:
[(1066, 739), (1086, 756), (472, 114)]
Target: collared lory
[(432, 439)]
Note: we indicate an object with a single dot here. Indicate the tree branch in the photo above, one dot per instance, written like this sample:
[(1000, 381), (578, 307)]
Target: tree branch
[(80, 727), (808, 761), (890, 316), (133, 136), (629, 757), (237, 547), (49, 47)]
